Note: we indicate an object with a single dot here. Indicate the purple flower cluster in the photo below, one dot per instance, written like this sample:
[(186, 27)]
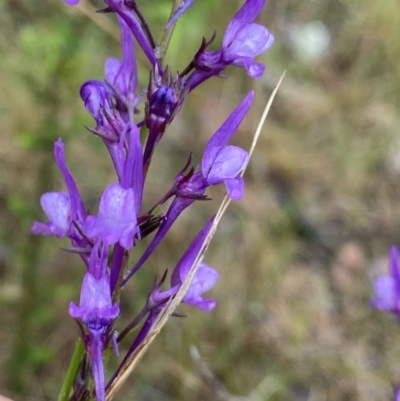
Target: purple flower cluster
[(104, 239)]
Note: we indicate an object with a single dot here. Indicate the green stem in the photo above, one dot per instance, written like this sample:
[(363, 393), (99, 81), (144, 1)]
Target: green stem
[(72, 370), (168, 32)]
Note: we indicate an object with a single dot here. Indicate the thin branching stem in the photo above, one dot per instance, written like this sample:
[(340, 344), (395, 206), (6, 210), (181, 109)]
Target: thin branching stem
[(72, 371), (166, 39)]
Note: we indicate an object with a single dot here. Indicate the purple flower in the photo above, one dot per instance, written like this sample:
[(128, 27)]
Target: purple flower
[(387, 287), (95, 304), (242, 42), (64, 210), (56, 206), (117, 219), (220, 163), (203, 280), (96, 314), (72, 2)]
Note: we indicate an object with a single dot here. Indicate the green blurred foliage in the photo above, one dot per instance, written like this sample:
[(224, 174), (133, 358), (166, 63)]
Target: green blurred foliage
[(296, 256)]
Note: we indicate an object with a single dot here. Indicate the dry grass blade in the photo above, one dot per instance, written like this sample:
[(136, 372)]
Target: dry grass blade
[(172, 305)]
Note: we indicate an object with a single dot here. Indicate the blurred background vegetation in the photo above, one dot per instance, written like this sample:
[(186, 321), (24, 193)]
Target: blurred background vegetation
[(296, 257)]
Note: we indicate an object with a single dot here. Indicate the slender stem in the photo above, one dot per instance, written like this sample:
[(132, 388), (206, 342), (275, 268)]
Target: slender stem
[(170, 193), (166, 39), (72, 370), (134, 323), (144, 23)]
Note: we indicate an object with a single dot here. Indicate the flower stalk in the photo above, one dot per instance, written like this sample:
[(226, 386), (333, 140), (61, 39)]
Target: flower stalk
[(105, 238)]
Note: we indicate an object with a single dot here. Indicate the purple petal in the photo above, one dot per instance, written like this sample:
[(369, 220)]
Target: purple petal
[(185, 264), (385, 293), (204, 304), (117, 220), (78, 212), (228, 163), (235, 188), (97, 97), (123, 75), (95, 301), (111, 69), (253, 69), (39, 228), (225, 132), (251, 41), (204, 279), (57, 206), (245, 16), (72, 2)]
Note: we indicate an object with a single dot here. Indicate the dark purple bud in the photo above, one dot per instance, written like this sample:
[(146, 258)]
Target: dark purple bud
[(97, 97), (165, 97)]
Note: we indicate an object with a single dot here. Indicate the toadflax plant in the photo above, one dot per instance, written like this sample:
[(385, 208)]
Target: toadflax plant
[(104, 239)]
